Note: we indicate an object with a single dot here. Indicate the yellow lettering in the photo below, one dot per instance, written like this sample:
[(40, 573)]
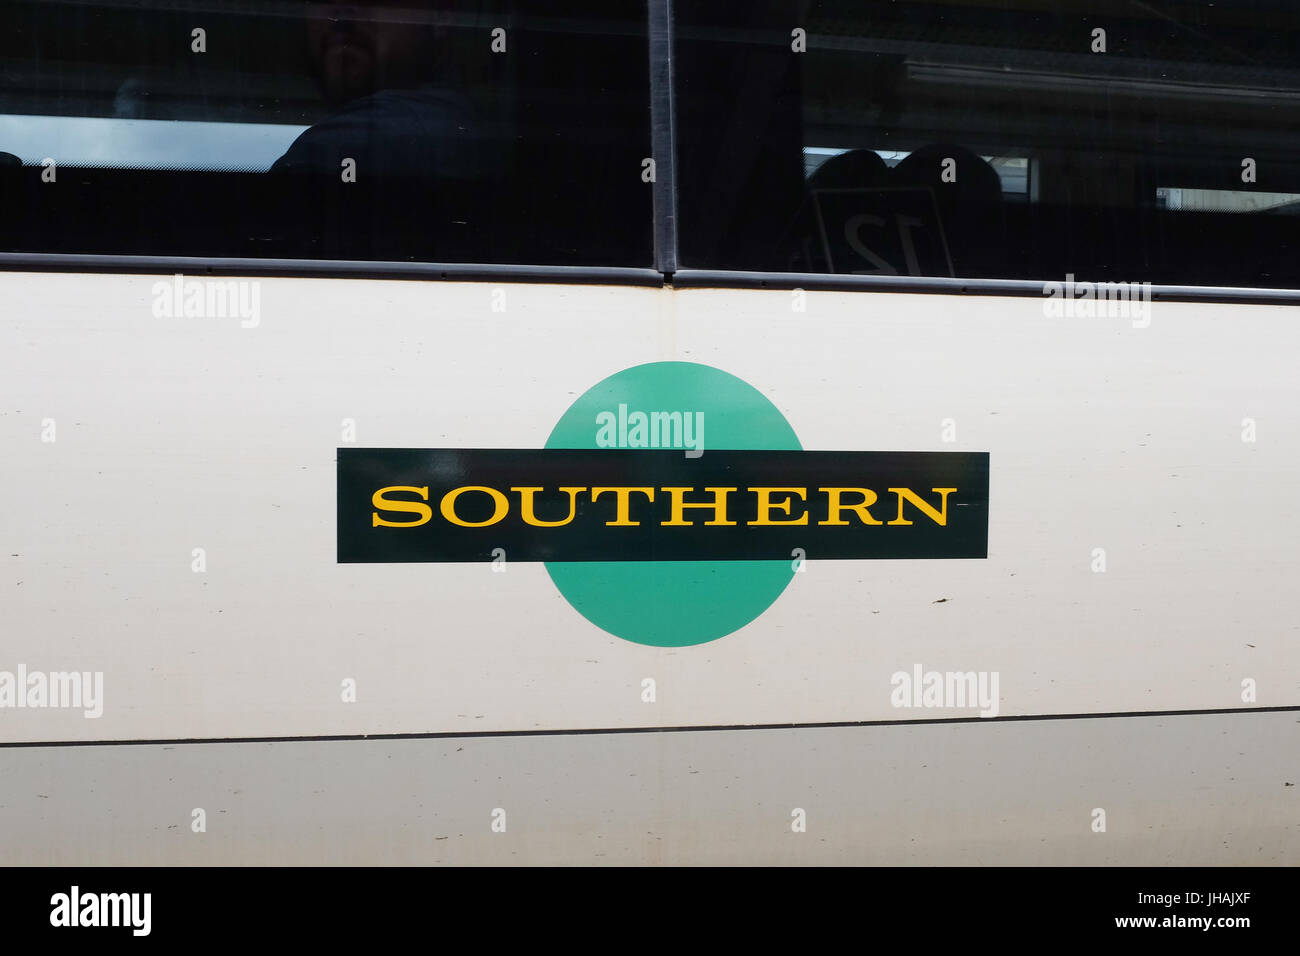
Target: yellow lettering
[(400, 506), (680, 504), (526, 506), (835, 508), (449, 506), (938, 517), (766, 505), (622, 497)]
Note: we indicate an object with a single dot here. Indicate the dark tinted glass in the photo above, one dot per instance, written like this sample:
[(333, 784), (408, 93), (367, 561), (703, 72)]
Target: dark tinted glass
[(446, 131), (1029, 139)]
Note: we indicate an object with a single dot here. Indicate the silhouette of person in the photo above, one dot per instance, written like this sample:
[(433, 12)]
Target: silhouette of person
[(855, 169), (399, 169), (973, 180), (390, 115)]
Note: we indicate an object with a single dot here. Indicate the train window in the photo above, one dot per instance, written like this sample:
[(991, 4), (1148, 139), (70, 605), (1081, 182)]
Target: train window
[(499, 131), (1139, 140)]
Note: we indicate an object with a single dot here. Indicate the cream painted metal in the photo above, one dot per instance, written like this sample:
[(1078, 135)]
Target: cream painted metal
[(183, 433), (1197, 790)]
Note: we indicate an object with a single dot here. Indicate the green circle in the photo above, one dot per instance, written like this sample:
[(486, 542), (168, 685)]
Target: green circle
[(675, 603)]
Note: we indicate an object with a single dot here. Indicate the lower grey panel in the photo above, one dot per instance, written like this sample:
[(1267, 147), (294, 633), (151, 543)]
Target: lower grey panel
[(1181, 790)]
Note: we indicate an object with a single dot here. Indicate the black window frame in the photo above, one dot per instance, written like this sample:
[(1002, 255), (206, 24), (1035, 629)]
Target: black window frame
[(667, 270)]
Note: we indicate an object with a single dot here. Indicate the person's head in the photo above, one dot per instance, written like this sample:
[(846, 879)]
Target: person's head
[(854, 169), (361, 47)]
